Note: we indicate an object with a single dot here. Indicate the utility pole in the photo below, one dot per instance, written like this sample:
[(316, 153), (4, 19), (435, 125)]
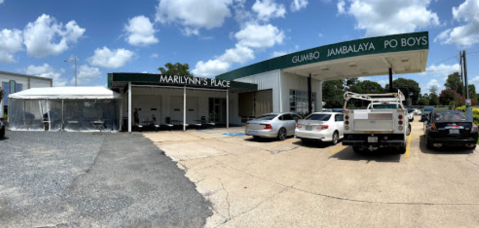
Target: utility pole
[(462, 75), (465, 75)]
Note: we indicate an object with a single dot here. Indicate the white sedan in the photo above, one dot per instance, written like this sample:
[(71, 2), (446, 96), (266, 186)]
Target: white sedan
[(321, 127)]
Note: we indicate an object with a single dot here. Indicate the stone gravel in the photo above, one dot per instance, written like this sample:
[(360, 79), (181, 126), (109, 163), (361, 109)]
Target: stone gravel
[(93, 180)]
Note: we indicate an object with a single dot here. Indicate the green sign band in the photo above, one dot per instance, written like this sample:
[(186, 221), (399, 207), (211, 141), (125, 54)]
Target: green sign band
[(360, 47)]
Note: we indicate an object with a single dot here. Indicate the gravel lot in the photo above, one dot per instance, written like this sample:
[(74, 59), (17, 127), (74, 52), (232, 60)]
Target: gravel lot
[(93, 180)]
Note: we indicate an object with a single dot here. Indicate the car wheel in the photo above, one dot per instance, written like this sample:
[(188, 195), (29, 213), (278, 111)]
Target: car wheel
[(282, 134), (2, 132), (335, 138)]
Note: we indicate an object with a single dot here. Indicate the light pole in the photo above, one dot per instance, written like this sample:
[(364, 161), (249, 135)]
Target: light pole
[(74, 60)]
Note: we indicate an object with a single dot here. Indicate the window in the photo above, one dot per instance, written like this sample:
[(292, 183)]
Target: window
[(6, 92), (266, 117), (296, 117), (286, 117), (338, 118), (298, 101), (320, 117)]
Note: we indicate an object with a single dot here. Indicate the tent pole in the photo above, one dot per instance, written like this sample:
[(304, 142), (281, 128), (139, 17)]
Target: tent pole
[(129, 107), (184, 108), (227, 110), (63, 121)]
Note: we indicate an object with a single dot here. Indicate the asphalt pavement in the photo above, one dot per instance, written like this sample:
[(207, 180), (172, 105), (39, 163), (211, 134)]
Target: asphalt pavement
[(93, 180)]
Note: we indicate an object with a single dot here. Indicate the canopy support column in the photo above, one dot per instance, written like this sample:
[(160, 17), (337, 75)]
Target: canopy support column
[(310, 96), (227, 110), (184, 108), (63, 121), (319, 97), (391, 80), (129, 107)]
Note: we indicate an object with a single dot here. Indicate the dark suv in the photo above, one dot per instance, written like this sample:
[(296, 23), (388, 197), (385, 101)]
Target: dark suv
[(425, 112)]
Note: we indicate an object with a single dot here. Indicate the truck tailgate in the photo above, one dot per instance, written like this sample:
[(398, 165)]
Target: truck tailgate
[(373, 121)]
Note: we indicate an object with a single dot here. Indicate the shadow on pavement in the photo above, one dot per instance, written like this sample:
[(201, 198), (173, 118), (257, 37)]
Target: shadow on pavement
[(313, 144), (381, 155), (4, 138), (443, 150), (265, 140)]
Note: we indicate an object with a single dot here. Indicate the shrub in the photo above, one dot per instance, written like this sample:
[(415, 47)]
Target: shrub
[(475, 113)]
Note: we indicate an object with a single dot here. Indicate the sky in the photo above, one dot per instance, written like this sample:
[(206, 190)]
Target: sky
[(216, 36)]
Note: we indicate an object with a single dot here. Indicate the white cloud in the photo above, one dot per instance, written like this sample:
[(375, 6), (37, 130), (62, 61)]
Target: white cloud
[(140, 31), (86, 75), (47, 71), (1, 1), (475, 81), (193, 14), (110, 59), (320, 35), (297, 5), (389, 17), (259, 36), (239, 54), (278, 53), (465, 35), (442, 70), (41, 37), (154, 55), (434, 82), (268, 9), (10, 43)]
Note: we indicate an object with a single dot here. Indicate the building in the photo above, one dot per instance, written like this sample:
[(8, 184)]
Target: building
[(291, 82), (13, 82)]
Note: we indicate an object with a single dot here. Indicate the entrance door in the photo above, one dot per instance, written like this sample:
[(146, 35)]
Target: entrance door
[(217, 110)]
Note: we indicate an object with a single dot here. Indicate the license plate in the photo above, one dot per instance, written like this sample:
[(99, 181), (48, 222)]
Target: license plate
[(372, 139), (309, 128), (454, 131)]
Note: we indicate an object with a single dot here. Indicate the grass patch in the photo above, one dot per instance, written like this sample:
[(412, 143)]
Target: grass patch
[(443, 108)]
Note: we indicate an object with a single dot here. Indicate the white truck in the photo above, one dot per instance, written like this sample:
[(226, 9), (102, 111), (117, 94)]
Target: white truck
[(384, 123)]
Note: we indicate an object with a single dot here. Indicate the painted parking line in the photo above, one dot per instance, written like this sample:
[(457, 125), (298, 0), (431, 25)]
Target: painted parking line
[(285, 141), (408, 149), (337, 149)]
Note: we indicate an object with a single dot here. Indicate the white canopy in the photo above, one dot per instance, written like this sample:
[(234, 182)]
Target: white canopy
[(66, 93)]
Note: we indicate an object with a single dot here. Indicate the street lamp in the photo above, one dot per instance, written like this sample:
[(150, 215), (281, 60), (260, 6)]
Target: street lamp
[(74, 60)]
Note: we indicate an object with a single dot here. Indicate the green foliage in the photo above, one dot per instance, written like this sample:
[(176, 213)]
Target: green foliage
[(366, 86), (423, 101), (454, 82), (447, 98), (333, 93), (475, 113), (433, 99), (176, 69), (472, 91), (406, 86)]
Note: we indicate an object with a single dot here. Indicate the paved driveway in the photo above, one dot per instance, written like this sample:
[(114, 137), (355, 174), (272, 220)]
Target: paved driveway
[(289, 184), (93, 180)]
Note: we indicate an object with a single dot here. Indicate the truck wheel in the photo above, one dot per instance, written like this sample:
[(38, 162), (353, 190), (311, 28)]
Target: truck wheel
[(409, 129), (2, 132), (335, 138)]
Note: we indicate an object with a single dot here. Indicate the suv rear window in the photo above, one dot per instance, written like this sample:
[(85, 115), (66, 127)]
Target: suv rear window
[(384, 106), (320, 117)]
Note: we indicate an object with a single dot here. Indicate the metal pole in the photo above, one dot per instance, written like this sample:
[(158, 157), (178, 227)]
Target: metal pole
[(391, 80), (129, 107), (462, 74), (63, 109), (465, 75), (75, 71), (184, 108), (319, 97), (310, 96), (227, 110)]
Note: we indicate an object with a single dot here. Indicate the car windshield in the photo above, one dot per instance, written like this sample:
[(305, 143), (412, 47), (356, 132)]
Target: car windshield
[(449, 116), (384, 106), (320, 117), (266, 117), (410, 110), (338, 110), (428, 109)]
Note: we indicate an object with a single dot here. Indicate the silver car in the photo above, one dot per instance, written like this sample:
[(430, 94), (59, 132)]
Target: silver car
[(273, 125)]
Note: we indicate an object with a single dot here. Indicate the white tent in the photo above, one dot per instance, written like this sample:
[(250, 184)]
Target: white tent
[(65, 108)]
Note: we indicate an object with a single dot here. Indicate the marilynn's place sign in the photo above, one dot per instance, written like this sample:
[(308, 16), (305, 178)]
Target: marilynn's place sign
[(186, 80)]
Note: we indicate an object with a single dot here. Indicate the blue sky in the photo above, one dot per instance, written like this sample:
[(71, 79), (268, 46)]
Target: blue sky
[(215, 36)]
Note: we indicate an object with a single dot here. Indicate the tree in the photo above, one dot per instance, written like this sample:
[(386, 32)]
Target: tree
[(434, 89), (407, 86), (450, 97), (366, 86), (176, 69), (423, 101), (472, 91), (433, 99), (454, 82), (333, 93)]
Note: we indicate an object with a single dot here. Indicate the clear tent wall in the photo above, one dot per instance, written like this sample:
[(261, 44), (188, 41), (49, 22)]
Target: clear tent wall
[(69, 115)]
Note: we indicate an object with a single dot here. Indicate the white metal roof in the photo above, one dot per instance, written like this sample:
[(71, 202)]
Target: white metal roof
[(66, 93)]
